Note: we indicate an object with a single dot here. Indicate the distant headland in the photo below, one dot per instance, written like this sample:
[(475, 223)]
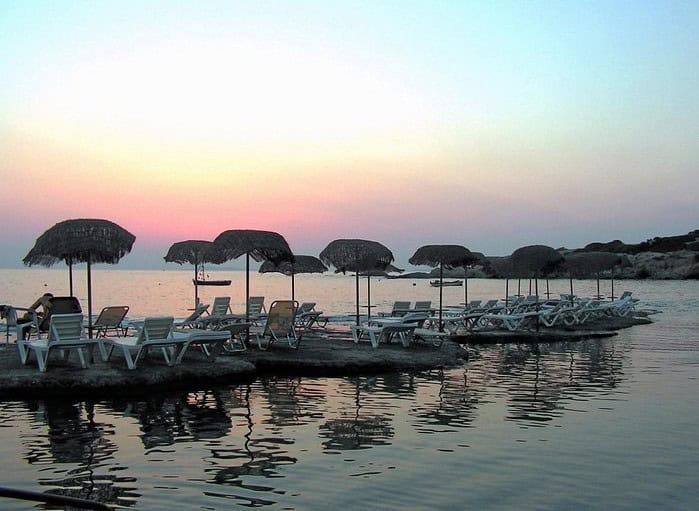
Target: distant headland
[(661, 258)]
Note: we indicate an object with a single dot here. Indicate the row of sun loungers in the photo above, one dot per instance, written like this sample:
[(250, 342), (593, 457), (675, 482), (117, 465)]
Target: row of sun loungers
[(529, 313), (211, 330), (67, 335), (218, 329), (513, 314)]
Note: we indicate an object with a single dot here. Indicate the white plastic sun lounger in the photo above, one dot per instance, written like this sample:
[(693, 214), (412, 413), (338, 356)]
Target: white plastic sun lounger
[(384, 334), (211, 342), (156, 333), (65, 335)]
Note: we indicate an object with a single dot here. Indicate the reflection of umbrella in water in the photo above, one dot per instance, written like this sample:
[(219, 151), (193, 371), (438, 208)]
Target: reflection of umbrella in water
[(205, 415), (357, 255), (81, 241), (589, 264), (443, 256), (74, 437), (301, 264), (196, 252), (454, 404), (260, 245), (356, 432)]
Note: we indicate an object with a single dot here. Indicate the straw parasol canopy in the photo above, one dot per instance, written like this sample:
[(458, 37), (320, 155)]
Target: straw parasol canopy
[(357, 255), (534, 260), (591, 264), (448, 256), (196, 252), (84, 240), (260, 245), (301, 264), (444, 256)]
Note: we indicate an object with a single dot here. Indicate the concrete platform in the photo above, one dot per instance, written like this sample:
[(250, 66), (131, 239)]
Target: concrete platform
[(328, 352), (323, 353)]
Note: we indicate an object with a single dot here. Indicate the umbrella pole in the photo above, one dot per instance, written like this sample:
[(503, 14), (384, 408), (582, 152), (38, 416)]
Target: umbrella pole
[(357, 300), (196, 288), (612, 283), (536, 293), (598, 295), (70, 276), (465, 286), (507, 292), (293, 291), (89, 299), (548, 294), (441, 276), (571, 289), (368, 295), (247, 287), (519, 287)]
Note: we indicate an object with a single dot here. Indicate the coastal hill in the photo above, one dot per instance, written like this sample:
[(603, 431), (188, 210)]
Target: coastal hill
[(662, 258), (670, 257)]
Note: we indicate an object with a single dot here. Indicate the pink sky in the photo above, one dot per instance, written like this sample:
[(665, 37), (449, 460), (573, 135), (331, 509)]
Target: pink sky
[(452, 130)]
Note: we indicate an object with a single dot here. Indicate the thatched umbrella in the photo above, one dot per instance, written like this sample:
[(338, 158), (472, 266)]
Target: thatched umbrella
[(357, 255), (196, 252), (588, 264), (301, 264), (81, 241), (534, 261), (260, 245), (443, 256)]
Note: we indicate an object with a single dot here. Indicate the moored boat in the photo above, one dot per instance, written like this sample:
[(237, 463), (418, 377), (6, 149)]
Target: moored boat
[(202, 282), (446, 283)]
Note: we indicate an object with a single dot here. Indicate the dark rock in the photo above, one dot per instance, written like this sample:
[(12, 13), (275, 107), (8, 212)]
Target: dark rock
[(693, 272)]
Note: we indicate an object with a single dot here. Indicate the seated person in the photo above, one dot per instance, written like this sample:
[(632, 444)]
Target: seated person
[(44, 301)]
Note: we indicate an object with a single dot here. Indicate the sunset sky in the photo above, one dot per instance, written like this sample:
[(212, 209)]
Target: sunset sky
[(488, 124)]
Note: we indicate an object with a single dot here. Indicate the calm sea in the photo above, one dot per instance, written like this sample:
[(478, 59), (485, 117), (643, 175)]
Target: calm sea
[(598, 424)]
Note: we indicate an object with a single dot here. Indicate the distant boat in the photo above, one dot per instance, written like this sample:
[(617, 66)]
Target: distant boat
[(203, 282), (445, 283)]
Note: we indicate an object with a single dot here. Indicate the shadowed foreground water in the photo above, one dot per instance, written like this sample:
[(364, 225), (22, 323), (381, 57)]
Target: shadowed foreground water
[(599, 424)]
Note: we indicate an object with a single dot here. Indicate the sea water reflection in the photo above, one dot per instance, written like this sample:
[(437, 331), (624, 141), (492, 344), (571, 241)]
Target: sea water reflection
[(215, 447)]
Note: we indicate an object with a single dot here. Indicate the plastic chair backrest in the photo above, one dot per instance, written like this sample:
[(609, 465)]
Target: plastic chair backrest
[(306, 307), (221, 306), (156, 328), (256, 304), (400, 308), (64, 327), (280, 319), (111, 316), (197, 312), (59, 305)]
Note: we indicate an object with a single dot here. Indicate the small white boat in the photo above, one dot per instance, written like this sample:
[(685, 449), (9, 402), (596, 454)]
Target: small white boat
[(446, 283)]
